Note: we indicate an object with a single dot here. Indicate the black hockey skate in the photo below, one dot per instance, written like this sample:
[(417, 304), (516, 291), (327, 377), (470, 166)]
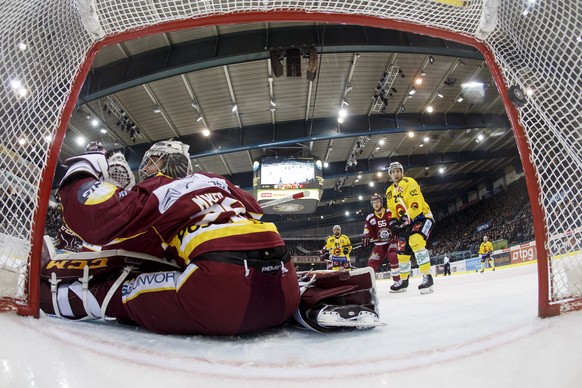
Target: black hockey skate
[(426, 286), (399, 286), (348, 316)]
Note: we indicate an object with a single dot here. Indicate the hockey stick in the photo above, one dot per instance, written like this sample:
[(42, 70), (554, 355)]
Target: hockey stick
[(354, 246), (289, 198)]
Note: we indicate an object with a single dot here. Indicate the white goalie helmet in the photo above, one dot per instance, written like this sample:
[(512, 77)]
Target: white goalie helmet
[(175, 160), (337, 228)]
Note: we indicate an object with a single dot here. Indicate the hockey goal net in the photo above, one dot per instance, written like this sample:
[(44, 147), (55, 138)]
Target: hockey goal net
[(48, 46)]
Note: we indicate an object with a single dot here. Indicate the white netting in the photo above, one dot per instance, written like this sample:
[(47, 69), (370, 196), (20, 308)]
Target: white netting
[(538, 49)]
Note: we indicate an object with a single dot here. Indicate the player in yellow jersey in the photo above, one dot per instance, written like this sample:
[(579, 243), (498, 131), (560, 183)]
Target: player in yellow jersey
[(413, 222), (339, 247), (485, 251)]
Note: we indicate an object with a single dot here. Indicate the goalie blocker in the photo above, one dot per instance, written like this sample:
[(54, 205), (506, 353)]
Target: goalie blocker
[(336, 300)]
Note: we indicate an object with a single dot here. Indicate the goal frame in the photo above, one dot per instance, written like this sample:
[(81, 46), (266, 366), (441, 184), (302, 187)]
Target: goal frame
[(545, 308)]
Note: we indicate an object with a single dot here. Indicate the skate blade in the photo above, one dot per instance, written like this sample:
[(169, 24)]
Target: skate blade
[(398, 291), (424, 291)]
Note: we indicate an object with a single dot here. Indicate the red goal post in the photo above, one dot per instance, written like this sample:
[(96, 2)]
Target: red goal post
[(49, 45)]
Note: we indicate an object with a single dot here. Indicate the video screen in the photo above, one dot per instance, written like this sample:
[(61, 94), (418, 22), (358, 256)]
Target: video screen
[(288, 173)]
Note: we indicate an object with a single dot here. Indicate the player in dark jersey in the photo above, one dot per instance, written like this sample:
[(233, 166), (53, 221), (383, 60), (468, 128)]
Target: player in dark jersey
[(377, 229)]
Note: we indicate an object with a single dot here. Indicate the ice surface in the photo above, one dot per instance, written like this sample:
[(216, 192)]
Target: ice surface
[(475, 330)]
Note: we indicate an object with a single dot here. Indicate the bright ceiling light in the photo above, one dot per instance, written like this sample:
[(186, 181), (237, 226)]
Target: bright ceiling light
[(22, 46), (529, 92), (460, 99), (410, 134), (371, 184), (206, 132), (440, 95), (379, 174), (381, 142), (22, 141), (199, 119), (347, 213), (426, 139), (325, 164), (418, 81), (360, 197), (95, 122), (103, 130), (429, 109), (48, 138), (412, 91), (22, 92), (442, 170), (81, 141), (480, 137), (340, 120), (272, 102), (472, 85), (234, 108), (359, 176), (343, 112)]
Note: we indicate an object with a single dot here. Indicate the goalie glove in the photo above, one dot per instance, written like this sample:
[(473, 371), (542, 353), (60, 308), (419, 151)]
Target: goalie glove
[(119, 171), (338, 300)]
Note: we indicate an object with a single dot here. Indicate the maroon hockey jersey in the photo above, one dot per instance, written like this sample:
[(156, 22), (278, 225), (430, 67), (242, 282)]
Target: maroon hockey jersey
[(181, 218), (376, 228)]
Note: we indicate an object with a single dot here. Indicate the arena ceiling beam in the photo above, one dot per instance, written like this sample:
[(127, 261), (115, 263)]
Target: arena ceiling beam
[(255, 45)]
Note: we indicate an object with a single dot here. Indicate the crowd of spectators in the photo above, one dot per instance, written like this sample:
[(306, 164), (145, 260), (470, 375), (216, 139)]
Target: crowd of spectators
[(505, 215)]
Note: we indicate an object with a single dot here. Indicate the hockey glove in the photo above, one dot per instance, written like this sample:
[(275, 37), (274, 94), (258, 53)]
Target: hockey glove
[(365, 241), (346, 251)]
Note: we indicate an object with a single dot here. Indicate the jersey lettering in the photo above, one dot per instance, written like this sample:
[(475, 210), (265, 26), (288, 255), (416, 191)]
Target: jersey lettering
[(204, 201)]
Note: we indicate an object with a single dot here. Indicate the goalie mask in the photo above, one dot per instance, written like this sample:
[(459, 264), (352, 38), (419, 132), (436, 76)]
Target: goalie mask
[(169, 157)]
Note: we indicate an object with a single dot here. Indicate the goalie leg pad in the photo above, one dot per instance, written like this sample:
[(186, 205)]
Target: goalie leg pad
[(332, 301)]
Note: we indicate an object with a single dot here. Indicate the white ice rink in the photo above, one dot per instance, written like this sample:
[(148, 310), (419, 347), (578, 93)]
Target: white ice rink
[(476, 330)]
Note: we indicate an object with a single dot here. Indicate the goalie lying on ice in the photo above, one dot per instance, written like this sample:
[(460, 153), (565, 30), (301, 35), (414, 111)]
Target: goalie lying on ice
[(230, 273)]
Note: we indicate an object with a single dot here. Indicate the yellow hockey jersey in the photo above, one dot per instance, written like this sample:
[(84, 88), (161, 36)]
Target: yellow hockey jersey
[(336, 246), (406, 199), (485, 248)]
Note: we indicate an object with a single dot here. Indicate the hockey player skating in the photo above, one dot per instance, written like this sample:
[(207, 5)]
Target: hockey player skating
[(413, 222), (339, 247), (485, 251), (377, 228), (216, 269)]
